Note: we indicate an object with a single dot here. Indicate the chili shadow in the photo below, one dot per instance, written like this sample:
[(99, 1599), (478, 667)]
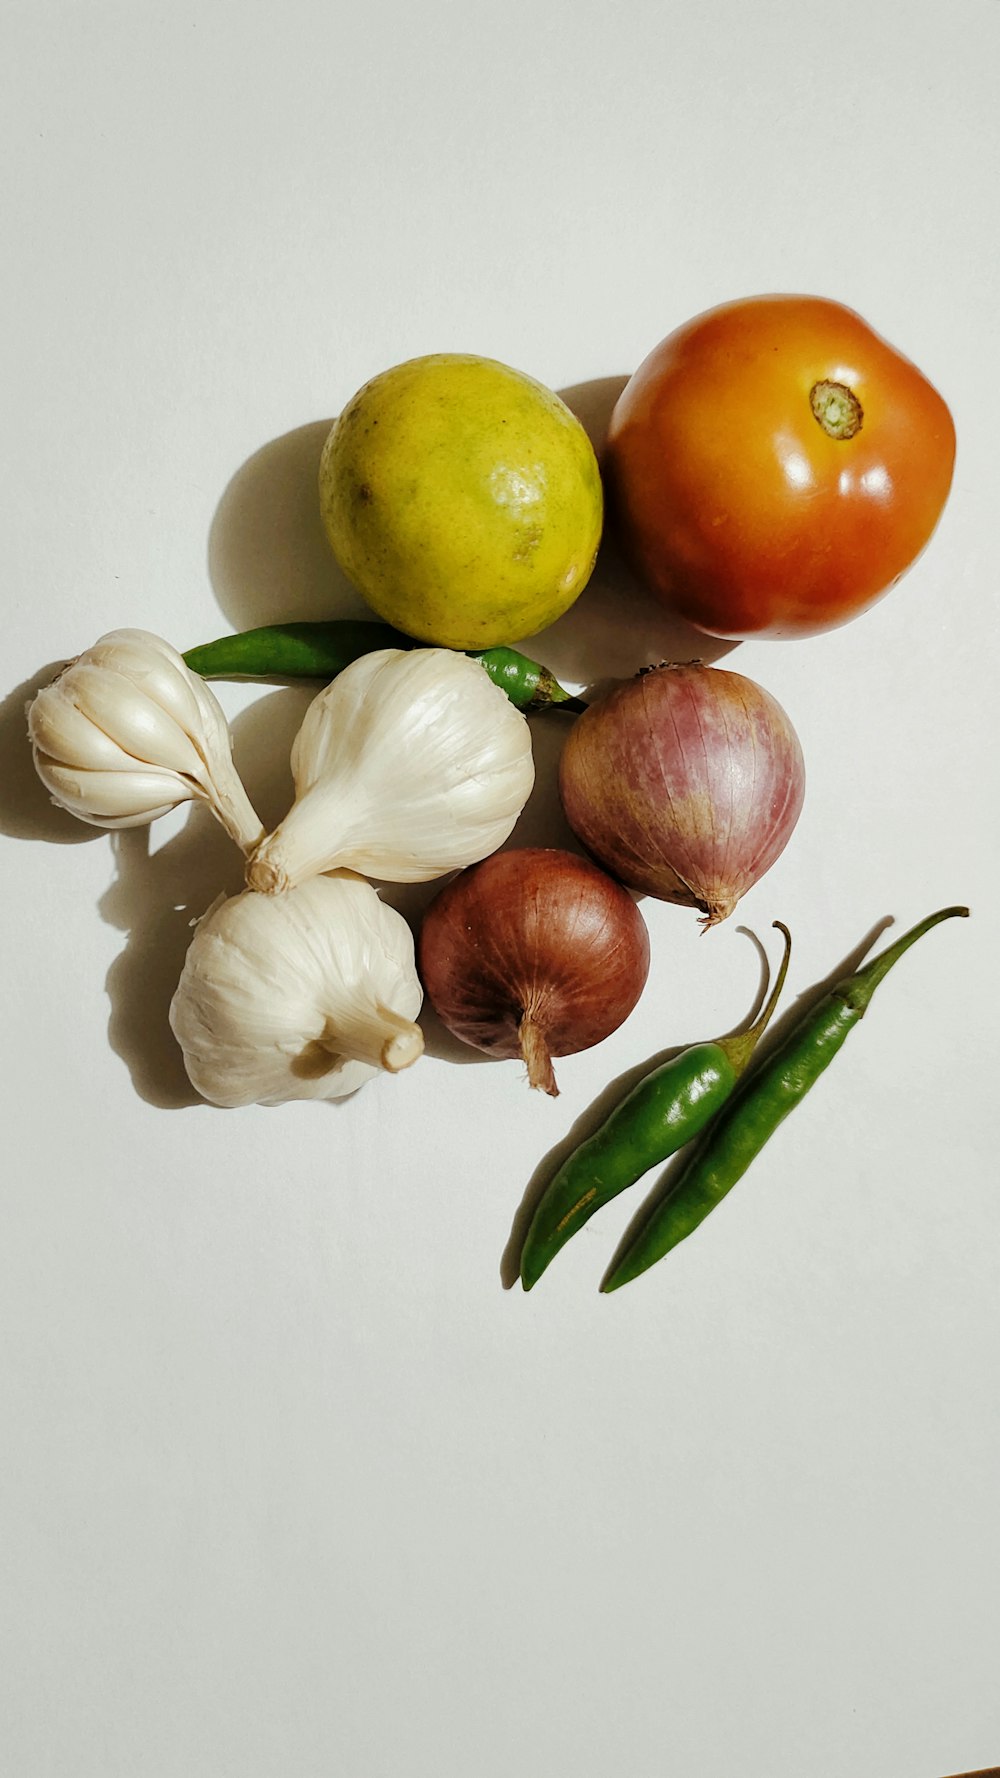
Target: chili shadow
[(770, 1042), (594, 1116)]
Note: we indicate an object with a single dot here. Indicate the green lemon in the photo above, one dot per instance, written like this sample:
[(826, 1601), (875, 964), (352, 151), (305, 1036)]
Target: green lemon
[(463, 500)]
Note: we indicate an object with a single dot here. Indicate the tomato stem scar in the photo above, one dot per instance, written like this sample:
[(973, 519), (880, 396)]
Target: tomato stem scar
[(836, 408)]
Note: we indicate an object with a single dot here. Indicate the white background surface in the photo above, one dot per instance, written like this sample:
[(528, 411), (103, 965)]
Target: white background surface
[(291, 1484)]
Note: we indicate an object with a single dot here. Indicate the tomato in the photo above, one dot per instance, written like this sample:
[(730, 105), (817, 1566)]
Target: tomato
[(774, 466)]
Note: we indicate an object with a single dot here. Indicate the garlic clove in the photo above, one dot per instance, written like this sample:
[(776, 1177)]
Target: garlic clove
[(118, 709), (303, 996), (61, 731), (409, 764), (156, 668), (131, 707), (111, 799)]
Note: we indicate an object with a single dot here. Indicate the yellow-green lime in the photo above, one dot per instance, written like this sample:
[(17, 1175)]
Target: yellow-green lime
[(463, 499)]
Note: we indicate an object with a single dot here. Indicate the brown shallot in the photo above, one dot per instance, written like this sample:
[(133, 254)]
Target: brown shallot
[(535, 953)]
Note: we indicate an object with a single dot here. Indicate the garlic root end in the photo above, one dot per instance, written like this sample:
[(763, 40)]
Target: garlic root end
[(403, 1049), (266, 875)]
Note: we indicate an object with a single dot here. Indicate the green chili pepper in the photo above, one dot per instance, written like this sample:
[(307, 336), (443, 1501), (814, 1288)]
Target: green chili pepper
[(763, 1101), (322, 650), (663, 1111)]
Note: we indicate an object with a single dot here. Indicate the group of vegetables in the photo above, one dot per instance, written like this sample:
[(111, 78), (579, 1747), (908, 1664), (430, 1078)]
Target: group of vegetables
[(773, 467)]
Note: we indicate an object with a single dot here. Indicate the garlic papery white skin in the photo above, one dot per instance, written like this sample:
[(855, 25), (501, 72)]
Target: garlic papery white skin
[(126, 732), (409, 764), (300, 996)]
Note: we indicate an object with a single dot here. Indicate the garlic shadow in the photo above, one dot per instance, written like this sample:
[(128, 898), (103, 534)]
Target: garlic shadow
[(155, 897), (160, 889), (262, 744), (268, 557), (26, 810)]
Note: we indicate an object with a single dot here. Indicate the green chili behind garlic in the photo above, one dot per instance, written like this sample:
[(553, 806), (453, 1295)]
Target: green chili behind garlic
[(301, 996), (127, 732), (408, 765)]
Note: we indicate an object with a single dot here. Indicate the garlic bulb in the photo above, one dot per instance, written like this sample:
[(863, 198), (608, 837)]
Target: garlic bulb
[(407, 765), (302, 996), (126, 731)]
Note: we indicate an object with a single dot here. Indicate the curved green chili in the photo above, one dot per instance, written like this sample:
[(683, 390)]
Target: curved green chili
[(763, 1101), (663, 1111), (322, 650)]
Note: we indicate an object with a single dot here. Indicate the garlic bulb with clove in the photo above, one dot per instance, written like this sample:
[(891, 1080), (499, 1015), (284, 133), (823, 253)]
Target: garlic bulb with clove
[(126, 732), (301, 996), (408, 765)]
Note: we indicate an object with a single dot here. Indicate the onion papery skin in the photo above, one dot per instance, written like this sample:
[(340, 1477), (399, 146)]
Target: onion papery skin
[(685, 783), (535, 952)]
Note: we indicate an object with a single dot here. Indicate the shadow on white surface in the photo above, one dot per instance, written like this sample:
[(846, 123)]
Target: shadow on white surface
[(160, 888), (771, 1041), (269, 562), (594, 1115), (268, 557), (616, 626), (26, 812), (157, 893), (584, 1126)]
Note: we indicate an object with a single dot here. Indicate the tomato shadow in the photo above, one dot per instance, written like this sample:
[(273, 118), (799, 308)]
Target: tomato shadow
[(616, 626)]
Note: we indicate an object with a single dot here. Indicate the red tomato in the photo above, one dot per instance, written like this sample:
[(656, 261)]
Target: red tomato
[(775, 466)]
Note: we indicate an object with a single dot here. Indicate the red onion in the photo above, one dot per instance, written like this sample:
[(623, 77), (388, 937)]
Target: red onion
[(533, 953), (685, 783)]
